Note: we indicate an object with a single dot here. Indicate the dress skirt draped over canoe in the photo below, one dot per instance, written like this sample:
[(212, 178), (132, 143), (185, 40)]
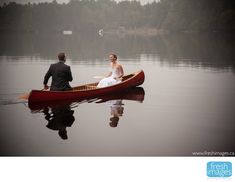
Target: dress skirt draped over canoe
[(111, 80)]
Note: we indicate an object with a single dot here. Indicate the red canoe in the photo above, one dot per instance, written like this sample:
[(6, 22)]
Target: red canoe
[(133, 94), (88, 90)]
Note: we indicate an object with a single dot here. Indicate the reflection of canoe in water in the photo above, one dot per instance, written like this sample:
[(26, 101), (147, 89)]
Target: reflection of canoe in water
[(88, 90), (134, 94)]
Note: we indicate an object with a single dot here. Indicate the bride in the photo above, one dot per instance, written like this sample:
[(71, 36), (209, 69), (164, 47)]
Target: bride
[(114, 75)]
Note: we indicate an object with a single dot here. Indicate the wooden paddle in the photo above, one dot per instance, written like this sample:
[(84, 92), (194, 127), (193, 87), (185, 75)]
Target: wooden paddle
[(26, 96), (98, 77)]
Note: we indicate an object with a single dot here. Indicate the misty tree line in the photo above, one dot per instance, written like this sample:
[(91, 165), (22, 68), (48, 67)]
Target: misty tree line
[(90, 16)]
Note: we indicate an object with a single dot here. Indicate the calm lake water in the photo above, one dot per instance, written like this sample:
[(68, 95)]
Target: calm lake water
[(185, 105)]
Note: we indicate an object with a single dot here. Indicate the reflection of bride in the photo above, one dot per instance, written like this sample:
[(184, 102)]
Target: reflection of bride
[(117, 108), (114, 75)]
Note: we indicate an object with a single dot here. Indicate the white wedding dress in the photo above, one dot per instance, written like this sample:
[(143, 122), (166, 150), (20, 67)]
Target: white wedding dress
[(111, 80)]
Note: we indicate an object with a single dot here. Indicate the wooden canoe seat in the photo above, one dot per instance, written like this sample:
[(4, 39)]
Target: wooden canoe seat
[(91, 87)]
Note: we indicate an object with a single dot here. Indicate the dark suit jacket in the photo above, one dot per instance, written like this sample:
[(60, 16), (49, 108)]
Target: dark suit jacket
[(61, 75)]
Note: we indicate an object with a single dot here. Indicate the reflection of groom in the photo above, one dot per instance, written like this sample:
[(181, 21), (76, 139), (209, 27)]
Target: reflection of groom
[(59, 118)]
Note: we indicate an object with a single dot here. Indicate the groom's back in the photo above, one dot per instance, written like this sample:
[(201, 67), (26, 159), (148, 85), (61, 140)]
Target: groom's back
[(61, 75)]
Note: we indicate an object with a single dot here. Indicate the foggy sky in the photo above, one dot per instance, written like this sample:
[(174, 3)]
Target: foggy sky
[(61, 1)]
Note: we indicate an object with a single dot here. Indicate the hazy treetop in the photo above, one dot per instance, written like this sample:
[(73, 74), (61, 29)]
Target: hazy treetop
[(63, 1)]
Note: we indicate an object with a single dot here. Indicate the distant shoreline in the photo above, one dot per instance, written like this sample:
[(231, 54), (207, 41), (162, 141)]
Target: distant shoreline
[(121, 32), (151, 32)]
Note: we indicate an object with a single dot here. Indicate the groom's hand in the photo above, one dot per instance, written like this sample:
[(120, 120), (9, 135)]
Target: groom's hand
[(46, 87)]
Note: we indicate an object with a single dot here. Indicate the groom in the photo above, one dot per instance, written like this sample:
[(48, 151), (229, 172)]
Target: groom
[(61, 75)]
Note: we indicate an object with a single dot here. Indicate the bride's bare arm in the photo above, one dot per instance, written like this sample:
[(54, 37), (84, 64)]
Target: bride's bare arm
[(121, 71), (109, 74)]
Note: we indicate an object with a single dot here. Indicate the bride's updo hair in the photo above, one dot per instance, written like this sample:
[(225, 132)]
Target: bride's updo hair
[(115, 56)]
